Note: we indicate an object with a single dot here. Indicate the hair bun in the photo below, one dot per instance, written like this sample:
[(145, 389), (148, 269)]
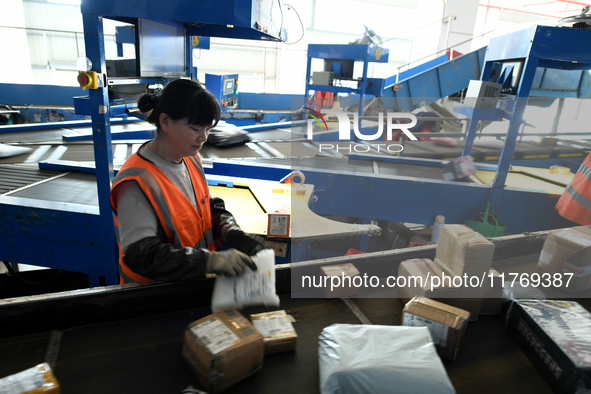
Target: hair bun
[(147, 102)]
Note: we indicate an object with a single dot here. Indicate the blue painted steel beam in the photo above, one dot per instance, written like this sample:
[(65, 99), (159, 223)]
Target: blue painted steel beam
[(25, 94), (55, 235), (103, 154), (57, 125), (362, 52), (429, 86), (222, 18), (268, 126)]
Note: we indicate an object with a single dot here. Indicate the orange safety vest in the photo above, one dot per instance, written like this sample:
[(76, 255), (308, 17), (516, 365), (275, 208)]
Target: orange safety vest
[(322, 100), (184, 224), (575, 202)]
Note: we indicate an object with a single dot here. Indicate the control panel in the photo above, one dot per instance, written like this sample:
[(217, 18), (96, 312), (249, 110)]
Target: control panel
[(224, 88)]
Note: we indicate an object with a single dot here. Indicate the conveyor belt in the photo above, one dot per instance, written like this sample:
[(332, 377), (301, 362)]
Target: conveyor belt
[(143, 355), (71, 188), (128, 339), (13, 177), (280, 142)]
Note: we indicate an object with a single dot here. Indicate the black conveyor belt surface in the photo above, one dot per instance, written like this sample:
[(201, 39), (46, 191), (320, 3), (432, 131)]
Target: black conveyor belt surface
[(143, 355)]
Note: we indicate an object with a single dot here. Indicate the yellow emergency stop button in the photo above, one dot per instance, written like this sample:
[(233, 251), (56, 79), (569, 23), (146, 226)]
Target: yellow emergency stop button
[(88, 79)]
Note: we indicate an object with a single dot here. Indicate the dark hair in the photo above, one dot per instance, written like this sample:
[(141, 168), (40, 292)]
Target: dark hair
[(180, 99)]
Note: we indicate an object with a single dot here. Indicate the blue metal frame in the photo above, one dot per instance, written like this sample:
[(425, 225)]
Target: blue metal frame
[(103, 154), (366, 53), (538, 46)]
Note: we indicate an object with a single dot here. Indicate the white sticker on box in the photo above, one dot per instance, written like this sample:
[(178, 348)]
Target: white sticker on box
[(438, 330), (273, 325), (22, 382), (545, 257), (576, 270), (278, 225), (215, 335), (575, 236)]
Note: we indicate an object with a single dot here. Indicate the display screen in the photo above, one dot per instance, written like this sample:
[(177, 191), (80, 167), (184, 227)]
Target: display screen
[(228, 86), (161, 48)]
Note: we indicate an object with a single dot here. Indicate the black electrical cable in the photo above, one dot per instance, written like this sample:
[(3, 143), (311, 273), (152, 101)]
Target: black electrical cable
[(301, 24)]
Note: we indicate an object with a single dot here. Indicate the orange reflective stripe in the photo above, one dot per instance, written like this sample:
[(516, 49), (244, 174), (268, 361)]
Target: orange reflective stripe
[(573, 211), (575, 202), (130, 274)]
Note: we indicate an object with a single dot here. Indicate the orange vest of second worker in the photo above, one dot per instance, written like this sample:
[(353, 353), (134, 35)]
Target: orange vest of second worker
[(183, 224), (575, 202)]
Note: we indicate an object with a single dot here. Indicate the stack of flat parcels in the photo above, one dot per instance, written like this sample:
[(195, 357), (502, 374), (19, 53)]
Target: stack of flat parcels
[(462, 251), (345, 274), (567, 252), (556, 337), (37, 380), (278, 333), (423, 278), (446, 323), (222, 349), (251, 288), (361, 358)]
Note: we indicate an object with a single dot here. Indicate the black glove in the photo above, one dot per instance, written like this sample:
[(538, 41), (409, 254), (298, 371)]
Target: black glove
[(229, 262), (250, 244)]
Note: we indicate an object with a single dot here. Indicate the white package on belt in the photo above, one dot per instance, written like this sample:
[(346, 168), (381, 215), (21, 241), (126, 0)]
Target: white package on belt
[(251, 288), (356, 358)]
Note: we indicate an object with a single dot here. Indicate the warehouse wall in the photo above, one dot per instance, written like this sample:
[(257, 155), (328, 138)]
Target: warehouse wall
[(46, 52), (15, 62)]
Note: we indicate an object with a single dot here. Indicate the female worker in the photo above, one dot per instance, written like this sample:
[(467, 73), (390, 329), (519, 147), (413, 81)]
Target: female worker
[(166, 220)]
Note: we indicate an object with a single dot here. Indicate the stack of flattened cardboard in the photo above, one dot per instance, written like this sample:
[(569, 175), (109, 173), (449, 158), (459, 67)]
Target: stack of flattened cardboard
[(222, 349), (446, 323), (463, 252)]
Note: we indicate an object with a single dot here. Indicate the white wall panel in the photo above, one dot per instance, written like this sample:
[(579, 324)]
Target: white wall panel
[(15, 66)]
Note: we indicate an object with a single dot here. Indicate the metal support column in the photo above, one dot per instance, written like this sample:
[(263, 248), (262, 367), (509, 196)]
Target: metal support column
[(103, 154), (507, 153)]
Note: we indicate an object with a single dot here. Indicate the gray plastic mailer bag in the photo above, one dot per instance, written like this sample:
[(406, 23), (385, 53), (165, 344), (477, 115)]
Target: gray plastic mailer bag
[(380, 359)]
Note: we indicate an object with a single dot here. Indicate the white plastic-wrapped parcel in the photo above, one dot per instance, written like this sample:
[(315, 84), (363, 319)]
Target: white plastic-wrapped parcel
[(251, 288), (380, 359)]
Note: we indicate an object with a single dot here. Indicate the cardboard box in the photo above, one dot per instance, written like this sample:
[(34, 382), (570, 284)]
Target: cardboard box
[(568, 251), (222, 349), (445, 322), (37, 380), (492, 302), (345, 273), (556, 337), (462, 251), (418, 273), (277, 331)]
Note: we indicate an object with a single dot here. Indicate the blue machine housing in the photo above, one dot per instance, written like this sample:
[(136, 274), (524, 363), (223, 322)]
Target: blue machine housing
[(224, 88)]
